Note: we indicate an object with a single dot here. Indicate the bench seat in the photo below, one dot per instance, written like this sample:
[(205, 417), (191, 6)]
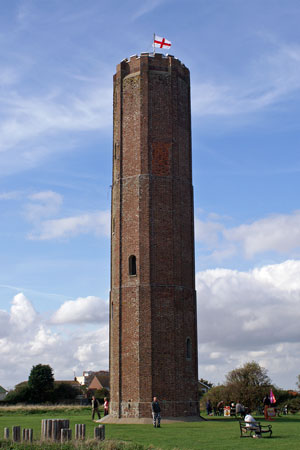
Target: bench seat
[(249, 429)]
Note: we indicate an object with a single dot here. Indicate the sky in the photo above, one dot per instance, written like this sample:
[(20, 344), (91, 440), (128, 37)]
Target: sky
[(56, 67)]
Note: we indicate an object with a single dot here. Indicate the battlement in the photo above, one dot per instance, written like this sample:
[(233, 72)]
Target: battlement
[(151, 61)]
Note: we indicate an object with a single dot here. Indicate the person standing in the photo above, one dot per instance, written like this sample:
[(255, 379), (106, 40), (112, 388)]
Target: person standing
[(105, 406), (208, 407), (156, 413), (267, 403), (240, 409), (95, 407)]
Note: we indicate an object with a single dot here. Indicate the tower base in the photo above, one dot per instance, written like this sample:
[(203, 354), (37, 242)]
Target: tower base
[(141, 410), (148, 420)]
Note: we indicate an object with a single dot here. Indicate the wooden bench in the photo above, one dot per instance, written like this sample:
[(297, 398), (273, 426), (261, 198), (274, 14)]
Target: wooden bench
[(254, 429)]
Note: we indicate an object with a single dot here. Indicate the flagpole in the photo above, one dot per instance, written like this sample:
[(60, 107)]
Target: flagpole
[(153, 44)]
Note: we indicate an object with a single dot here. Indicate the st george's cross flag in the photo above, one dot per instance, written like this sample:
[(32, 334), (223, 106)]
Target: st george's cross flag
[(161, 42), (272, 397)]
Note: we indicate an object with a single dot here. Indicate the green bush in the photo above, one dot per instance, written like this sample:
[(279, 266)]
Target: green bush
[(19, 395)]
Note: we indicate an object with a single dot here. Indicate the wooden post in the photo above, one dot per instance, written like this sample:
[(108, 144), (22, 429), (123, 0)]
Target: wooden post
[(51, 428), (6, 433), (80, 431), (99, 433), (65, 435), (16, 434), (30, 435), (27, 434), (102, 432)]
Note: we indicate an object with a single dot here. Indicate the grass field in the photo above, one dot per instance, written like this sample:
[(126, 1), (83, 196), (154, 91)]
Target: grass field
[(217, 433)]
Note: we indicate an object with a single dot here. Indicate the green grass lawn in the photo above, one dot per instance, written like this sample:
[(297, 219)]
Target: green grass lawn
[(217, 433)]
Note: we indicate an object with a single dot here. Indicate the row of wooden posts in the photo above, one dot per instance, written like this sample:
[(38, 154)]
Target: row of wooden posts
[(54, 430)]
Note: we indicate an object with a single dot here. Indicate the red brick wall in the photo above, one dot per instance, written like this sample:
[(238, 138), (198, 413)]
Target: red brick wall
[(154, 312)]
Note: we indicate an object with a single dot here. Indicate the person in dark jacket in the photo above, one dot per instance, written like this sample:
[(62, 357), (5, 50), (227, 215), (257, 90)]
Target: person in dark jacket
[(156, 413), (95, 406), (208, 407), (267, 403)]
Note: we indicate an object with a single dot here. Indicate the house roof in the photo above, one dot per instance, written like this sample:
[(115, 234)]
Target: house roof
[(102, 377), (203, 384), (2, 390)]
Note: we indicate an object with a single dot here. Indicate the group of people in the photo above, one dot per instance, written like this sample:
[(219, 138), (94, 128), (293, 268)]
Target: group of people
[(154, 405), (236, 409), (95, 407)]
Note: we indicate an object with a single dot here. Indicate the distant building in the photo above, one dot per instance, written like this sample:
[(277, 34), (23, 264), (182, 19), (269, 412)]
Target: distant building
[(86, 375), (99, 381), (203, 387), (94, 379), (3, 393)]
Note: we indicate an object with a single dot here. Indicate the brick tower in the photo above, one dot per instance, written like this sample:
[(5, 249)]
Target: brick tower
[(153, 328)]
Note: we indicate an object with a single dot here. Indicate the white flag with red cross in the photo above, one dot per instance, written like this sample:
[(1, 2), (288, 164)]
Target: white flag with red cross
[(161, 42)]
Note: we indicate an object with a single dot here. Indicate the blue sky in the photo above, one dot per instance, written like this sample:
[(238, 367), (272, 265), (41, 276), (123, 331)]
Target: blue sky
[(57, 63)]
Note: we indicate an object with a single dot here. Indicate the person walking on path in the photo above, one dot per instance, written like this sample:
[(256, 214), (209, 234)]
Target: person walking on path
[(105, 406), (95, 407), (156, 413)]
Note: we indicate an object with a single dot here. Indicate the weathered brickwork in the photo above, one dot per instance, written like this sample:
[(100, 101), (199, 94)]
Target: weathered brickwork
[(153, 312)]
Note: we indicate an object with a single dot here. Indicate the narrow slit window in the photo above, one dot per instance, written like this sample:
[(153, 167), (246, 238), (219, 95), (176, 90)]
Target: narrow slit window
[(132, 265), (188, 348)]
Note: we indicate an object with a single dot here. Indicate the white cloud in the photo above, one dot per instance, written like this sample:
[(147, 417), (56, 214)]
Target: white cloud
[(97, 223), (4, 323), (95, 343), (208, 232), (30, 118), (250, 315), (43, 204), (89, 309), (280, 233), (26, 339), (272, 78), (22, 313)]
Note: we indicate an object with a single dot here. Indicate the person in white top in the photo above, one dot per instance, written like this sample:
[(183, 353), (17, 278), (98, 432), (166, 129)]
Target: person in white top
[(251, 423)]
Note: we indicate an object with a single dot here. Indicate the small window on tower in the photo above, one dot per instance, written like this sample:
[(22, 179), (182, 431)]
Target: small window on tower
[(188, 348), (132, 265)]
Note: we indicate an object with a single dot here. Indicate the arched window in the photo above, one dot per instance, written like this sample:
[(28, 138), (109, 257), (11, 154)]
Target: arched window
[(188, 348), (132, 265)]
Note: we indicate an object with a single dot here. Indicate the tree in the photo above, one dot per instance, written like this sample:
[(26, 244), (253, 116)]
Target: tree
[(249, 384), (298, 382), (41, 383), (63, 393)]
